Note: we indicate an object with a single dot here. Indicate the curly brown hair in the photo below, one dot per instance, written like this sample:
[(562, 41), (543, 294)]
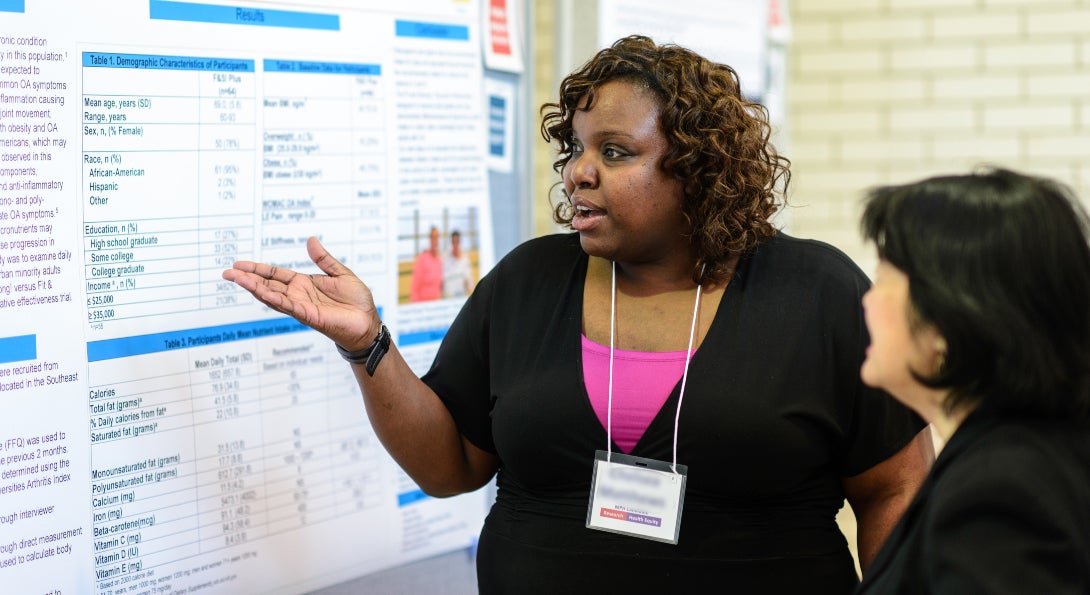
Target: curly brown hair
[(733, 177)]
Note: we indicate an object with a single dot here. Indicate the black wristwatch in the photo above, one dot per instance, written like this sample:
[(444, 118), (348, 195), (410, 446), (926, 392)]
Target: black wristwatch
[(371, 355)]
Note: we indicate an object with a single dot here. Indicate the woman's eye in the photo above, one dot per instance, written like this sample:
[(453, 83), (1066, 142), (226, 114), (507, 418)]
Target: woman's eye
[(612, 153)]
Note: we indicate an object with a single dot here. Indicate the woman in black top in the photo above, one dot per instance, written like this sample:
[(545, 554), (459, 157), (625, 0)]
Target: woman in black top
[(980, 321), (670, 183)]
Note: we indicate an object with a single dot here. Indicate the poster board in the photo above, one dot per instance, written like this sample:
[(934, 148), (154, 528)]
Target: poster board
[(733, 32), (162, 431)]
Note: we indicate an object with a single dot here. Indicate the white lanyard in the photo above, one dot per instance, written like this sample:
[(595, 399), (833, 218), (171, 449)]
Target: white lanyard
[(684, 374)]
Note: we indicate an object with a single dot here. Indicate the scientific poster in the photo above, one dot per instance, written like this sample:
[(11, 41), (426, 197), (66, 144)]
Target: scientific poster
[(161, 430)]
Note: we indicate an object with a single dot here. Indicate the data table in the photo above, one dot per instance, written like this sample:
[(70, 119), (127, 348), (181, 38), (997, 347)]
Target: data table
[(168, 170)]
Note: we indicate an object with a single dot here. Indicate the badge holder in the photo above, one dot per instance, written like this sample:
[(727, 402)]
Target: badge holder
[(636, 496)]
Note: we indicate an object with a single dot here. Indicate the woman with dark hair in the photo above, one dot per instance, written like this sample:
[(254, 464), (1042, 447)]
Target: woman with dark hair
[(674, 354), (980, 321)]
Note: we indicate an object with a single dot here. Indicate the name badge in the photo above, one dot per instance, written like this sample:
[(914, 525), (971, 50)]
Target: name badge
[(636, 496)]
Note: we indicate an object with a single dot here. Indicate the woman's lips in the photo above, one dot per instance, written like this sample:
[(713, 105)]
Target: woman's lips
[(586, 217)]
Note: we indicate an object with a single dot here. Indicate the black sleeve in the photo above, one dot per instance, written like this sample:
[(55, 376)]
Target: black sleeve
[(460, 372), (876, 426)]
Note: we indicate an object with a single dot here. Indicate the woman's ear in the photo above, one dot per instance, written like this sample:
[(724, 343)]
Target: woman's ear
[(938, 343)]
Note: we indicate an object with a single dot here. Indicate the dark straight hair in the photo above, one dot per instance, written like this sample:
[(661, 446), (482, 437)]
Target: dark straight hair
[(999, 263)]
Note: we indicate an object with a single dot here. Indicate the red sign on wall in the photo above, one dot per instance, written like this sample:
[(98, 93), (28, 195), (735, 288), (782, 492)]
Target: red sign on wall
[(497, 19)]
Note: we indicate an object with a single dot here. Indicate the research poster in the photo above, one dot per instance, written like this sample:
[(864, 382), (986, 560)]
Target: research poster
[(161, 431)]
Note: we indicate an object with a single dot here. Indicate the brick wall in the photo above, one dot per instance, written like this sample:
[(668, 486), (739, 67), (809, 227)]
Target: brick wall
[(887, 91), (544, 86)]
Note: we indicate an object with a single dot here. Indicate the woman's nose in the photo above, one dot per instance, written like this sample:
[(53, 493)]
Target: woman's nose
[(581, 172)]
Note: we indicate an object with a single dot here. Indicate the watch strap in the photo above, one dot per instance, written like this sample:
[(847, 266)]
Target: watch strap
[(371, 355)]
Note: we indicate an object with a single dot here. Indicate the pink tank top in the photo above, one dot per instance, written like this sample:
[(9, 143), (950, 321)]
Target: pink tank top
[(642, 381)]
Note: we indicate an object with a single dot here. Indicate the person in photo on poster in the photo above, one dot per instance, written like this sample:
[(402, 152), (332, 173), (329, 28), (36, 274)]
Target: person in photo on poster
[(457, 270), (427, 277)]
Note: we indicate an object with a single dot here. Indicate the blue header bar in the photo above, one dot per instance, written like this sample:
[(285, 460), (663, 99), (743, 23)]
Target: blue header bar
[(152, 62), (432, 30), (12, 6), (321, 67), (18, 349), (406, 498), (237, 15), (185, 339), (421, 337)]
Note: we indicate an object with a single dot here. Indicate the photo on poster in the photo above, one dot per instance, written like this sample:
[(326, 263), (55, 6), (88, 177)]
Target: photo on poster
[(438, 254)]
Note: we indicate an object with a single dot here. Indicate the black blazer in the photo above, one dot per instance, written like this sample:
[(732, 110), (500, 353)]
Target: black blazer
[(1005, 509)]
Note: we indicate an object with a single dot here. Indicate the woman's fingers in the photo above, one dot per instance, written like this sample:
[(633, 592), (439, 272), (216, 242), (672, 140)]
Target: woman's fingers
[(238, 274), (267, 271), (274, 295), (329, 302), (325, 261), (242, 274)]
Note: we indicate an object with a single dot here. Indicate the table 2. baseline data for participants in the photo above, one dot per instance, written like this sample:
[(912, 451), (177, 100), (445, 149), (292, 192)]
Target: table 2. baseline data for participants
[(324, 163)]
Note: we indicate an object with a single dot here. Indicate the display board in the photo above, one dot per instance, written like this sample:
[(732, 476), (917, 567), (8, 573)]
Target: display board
[(733, 32), (162, 432)]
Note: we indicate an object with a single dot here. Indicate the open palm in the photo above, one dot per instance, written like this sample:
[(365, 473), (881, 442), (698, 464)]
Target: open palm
[(337, 304)]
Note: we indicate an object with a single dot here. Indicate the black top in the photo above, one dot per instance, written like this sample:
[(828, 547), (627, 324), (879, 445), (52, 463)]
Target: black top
[(1005, 509), (774, 416)]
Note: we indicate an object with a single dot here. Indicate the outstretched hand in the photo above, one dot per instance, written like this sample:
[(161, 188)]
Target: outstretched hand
[(337, 304)]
